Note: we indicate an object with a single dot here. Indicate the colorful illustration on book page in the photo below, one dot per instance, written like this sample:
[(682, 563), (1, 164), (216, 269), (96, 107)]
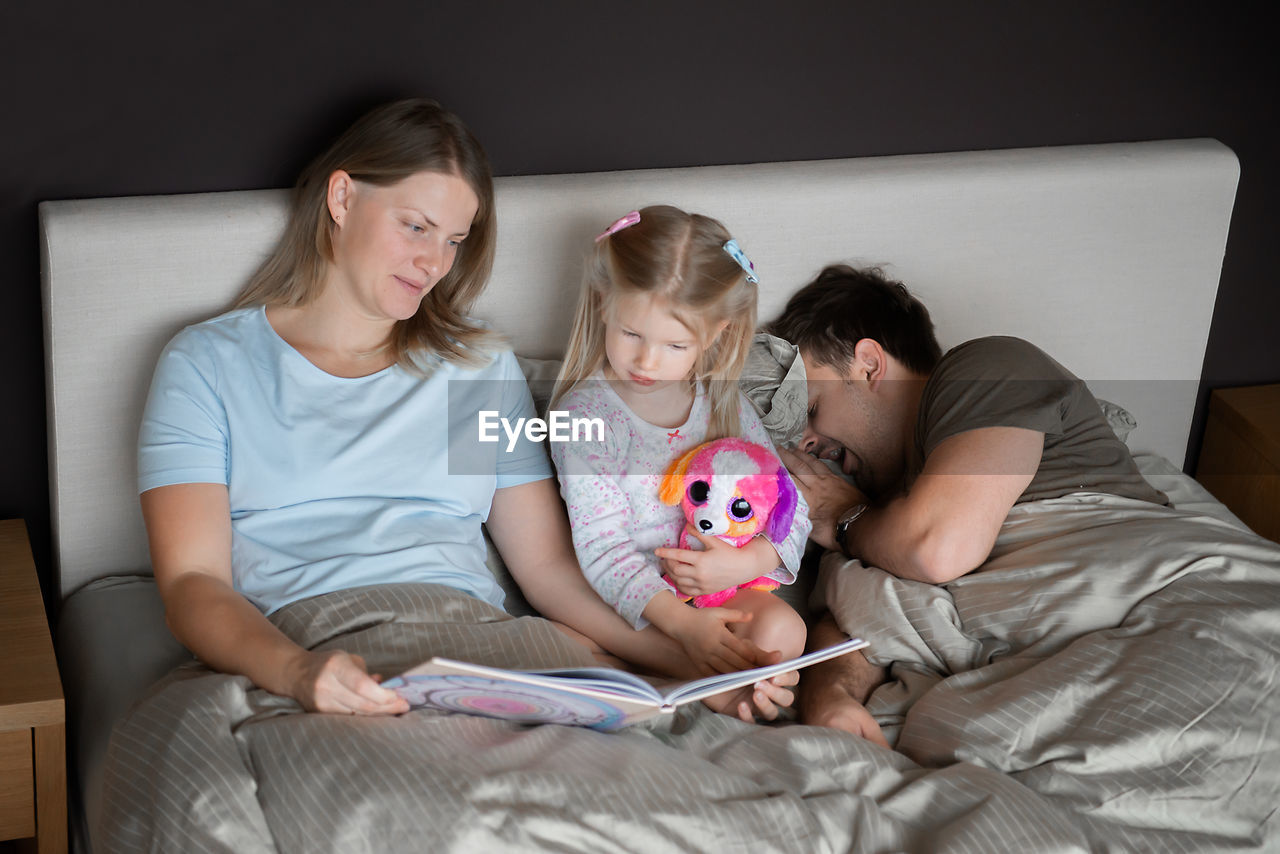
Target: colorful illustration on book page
[(477, 695)]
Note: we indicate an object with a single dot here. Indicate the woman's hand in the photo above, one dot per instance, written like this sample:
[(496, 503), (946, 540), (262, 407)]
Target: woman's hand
[(339, 683), (718, 565)]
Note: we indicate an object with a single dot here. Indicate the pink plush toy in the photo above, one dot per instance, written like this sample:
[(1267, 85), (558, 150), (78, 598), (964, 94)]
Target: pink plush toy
[(735, 490)]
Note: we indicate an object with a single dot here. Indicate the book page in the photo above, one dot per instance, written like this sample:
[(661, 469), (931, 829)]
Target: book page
[(711, 685), (587, 680), (448, 686)]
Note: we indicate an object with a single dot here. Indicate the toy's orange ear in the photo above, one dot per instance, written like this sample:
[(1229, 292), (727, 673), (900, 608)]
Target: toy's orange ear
[(671, 490)]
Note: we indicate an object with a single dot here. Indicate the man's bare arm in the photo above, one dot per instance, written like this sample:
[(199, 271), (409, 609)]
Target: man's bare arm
[(946, 524)]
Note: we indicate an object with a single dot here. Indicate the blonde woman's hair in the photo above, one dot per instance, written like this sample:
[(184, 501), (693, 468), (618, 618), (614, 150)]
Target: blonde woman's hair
[(680, 258), (385, 146)]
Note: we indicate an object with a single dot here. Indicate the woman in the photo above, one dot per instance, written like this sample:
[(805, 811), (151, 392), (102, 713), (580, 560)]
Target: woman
[(294, 446)]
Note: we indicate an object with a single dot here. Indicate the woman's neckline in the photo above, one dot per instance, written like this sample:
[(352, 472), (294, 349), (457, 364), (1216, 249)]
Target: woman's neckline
[(346, 376)]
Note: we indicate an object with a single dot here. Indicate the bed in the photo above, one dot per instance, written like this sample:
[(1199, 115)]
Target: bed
[(1108, 683)]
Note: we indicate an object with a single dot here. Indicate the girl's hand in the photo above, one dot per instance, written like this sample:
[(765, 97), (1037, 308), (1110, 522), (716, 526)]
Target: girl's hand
[(767, 697), (718, 565), (705, 636), (339, 683)]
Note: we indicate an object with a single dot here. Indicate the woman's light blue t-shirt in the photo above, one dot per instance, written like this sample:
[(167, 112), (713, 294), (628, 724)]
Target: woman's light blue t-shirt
[(335, 482)]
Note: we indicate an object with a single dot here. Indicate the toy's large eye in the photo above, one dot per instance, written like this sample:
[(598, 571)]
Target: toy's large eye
[(740, 509), (699, 491)]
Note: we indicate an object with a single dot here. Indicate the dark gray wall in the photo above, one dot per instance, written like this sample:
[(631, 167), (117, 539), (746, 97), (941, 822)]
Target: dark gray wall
[(176, 98)]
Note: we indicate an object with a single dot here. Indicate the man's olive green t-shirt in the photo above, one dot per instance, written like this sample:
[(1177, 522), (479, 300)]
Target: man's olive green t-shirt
[(1008, 382)]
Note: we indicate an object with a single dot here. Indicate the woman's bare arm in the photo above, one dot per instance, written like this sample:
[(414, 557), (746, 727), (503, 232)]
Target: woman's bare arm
[(189, 530), (529, 526)]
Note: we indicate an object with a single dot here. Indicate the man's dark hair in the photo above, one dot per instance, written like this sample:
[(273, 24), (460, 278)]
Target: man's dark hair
[(829, 316)]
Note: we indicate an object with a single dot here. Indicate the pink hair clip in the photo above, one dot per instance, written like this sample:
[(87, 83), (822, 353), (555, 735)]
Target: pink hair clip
[(619, 224)]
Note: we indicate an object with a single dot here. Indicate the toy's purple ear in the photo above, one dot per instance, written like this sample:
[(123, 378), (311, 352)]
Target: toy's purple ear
[(784, 512)]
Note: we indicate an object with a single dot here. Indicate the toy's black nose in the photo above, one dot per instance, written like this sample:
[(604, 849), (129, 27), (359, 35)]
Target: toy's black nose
[(705, 524)]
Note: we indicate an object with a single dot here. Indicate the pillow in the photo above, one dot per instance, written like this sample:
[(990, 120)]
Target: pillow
[(541, 375), (1121, 421), (773, 380)]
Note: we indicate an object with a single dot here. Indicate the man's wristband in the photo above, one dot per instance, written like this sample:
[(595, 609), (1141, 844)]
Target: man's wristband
[(842, 526)]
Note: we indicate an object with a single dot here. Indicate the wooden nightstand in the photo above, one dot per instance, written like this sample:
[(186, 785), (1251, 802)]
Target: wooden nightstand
[(1240, 459), (33, 773)]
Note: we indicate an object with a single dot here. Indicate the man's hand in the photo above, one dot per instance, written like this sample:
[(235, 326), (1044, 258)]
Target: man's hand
[(718, 565), (828, 494)]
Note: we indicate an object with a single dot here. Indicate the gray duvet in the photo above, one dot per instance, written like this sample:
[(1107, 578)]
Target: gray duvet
[(1108, 682)]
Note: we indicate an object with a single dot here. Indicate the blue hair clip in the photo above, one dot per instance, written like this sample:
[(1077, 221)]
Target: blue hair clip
[(736, 253)]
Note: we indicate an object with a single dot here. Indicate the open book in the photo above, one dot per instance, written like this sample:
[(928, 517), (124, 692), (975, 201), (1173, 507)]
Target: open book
[(597, 697)]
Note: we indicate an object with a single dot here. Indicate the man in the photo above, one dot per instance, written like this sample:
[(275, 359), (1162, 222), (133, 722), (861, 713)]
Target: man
[(940, 448)]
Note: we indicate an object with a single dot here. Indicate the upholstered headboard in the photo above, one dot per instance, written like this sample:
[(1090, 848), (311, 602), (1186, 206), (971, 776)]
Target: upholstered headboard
[(1106, 256)]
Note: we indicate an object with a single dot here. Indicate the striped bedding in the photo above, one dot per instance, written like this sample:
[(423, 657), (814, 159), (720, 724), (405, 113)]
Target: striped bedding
[(1108, 682)]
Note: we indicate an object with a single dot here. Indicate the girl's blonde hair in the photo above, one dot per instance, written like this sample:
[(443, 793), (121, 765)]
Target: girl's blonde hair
[(679, 257), (385, 146)]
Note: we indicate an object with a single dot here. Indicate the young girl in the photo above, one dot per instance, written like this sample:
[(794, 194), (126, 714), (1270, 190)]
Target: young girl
[(664, 322)]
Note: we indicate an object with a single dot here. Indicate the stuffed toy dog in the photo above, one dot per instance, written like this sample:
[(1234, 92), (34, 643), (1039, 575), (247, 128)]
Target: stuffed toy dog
[(735, 490)]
